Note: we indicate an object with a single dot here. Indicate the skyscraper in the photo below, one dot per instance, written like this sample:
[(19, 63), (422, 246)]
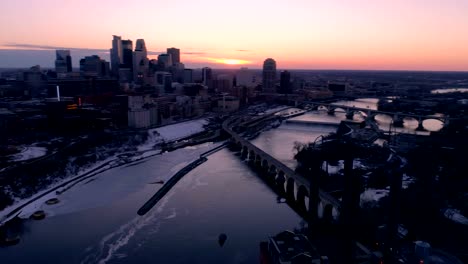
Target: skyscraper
[(140, 62), (165, 61), (126, 67), (245, 77), (63, 62), (116, 54), (285, 82), (206, 75), (94, 66), (188, 76), (175, 54), (207, 78), (127, 54), (269, 76)]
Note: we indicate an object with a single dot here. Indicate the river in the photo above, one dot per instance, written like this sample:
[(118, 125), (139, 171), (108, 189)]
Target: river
[(221, 196), (97, 222)]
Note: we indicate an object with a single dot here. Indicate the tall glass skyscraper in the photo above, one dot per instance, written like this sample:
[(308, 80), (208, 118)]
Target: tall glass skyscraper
[(269, 76), (116, 54)]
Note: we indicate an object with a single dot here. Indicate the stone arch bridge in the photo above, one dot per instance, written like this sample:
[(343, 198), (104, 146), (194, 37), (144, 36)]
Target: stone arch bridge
[(302, 192), (370, 114)]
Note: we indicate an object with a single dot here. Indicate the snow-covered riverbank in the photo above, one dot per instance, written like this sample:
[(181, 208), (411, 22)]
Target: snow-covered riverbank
[(148, 149)]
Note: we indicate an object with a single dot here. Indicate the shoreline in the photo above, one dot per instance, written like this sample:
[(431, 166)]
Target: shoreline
[(117, 160)]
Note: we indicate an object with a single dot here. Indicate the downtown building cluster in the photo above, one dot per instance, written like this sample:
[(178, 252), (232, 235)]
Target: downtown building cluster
[(137, 88)]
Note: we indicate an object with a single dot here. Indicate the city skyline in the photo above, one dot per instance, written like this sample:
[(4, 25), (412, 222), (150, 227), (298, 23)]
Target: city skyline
[(356, 35)]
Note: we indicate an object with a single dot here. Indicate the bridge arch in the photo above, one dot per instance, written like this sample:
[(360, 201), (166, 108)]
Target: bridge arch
[(320, 108), (433, 124)]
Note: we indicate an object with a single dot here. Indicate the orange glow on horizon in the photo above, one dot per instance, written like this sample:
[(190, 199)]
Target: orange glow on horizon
[(321, 34), (229, 61)]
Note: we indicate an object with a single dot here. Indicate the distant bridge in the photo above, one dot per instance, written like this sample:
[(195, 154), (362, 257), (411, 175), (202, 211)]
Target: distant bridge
[(308, 197), (370, 114)]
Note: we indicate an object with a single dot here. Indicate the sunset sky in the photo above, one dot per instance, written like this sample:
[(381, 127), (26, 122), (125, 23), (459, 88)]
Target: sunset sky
[(298, 34)]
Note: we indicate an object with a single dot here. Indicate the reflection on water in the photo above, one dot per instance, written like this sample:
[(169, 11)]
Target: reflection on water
[(97, 222), (409, 125), (280, 142), (220, 196), (367, 103)]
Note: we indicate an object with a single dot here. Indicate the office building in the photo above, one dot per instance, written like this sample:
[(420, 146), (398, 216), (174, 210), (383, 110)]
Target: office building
[(175, 55), (163, 82), (63, 61), (245, 78), (127, 54), (269, 76), (94, 66), (165, 61), (116, 54), (140, 62), (285, 82), (188, 76)]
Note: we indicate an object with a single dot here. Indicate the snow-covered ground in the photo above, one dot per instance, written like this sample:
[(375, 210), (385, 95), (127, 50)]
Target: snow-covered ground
[(145, 150), (456, 216), (407, 181), (370, 197), (28, 152), (173, 132), (116, 183), (357, 164), (275, 109)]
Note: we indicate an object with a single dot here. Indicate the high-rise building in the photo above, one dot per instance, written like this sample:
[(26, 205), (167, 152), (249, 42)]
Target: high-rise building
[(269, 76), (285, 82), (94, 66), (175, 55), (140, 62), (207, 75), (245, 77), (223, 83), (116, 54), (63, 61), (163, 82), (127, 54), (165, 61), (188, 76)]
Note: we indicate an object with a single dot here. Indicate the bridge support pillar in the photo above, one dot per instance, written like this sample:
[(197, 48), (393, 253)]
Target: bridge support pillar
[(350, 208), (280, 180), (314, 196), (349, 115), (420, 125), (244, 153), (397, 121), (395, 201)]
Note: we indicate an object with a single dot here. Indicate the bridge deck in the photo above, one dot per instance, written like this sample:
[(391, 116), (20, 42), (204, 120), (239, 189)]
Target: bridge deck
[(365, 110)]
